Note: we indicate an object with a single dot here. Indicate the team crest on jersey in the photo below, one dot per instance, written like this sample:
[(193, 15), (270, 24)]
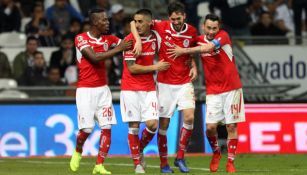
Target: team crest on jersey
[(153, 45), (105, 46), (80, 38), (186, 43)]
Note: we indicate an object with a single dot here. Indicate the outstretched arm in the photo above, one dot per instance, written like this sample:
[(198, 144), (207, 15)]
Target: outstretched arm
[(137, 50), (177, 51), (89, 53), (140, 69)]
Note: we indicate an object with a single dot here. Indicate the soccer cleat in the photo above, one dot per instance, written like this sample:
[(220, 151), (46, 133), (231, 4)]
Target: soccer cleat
[(99, 169), (182, 166), (215, 161), (230, 167), (142, 160), (166, 169), (139, 169), (75, 161)]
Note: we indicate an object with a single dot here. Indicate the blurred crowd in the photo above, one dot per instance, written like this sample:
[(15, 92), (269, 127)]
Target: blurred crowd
[(55, 23)]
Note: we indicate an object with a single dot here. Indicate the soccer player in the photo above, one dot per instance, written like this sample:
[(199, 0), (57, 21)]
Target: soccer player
[(175, 86), (93, 96), (138, 98), (224, 97)]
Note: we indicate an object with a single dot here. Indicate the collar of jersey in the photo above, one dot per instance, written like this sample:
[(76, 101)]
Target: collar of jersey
[(182, 31), (89, 35)]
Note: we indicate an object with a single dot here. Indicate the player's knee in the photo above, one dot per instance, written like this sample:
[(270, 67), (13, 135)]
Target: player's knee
[(163, 123), (88, 130), (231, 128), (106, 127), (188, 126), (152, 125), (211, 128)]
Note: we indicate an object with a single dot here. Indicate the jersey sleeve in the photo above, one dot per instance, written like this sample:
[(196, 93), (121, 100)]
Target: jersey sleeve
[(81, 42), (158, 25), (128, 55), (114, 41), (221, 40)]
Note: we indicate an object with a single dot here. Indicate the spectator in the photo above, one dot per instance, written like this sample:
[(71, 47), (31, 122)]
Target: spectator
[(53, 79), (266, 27), (284, 17), (10, 17), (36, 74), (64, 57), (116, 20), (85, 26), (5, 69), (75, 27), (25, 58), (40, 27), (256, 8), (234, 15), (104, 4), (298, 6), (60, 15)]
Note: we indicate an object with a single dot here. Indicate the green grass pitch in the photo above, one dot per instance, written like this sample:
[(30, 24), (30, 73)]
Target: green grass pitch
[(245, 164)]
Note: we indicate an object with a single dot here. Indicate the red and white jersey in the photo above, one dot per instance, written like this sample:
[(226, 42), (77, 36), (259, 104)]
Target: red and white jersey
[(221, 74), (90, 74), (178, 73), (141, 82)]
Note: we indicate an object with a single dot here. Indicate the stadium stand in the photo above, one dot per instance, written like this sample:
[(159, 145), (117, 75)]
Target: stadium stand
[(12, 39)]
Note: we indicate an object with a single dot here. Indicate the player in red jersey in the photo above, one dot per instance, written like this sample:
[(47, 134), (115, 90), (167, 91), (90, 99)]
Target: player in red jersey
[(175, 86), (138, 98), (224, 97), (93, 96)]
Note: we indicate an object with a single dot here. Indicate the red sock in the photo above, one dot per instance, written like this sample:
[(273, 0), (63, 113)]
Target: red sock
[(232, 147), (81, 138), (146, 138), (162, 145), (214, 144), (104, 146), (185, 136), (134, 145)]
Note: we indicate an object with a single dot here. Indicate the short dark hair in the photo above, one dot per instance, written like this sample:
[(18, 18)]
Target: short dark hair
[(31, 37), (175, 7), (212, 17), (38, 52), (94, 11), (145, 12)]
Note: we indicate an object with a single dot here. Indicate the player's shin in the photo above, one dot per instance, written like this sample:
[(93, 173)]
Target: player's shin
[(81, 138), (162, 145), (134, 145), (147, 136), (185, 135), (104, 146)]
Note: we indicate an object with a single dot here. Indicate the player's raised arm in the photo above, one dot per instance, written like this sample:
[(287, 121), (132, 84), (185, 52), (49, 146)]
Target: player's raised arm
[(89, 53), (137, 49)]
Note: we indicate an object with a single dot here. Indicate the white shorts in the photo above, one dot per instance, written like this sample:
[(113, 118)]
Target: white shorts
[(227, 107), (138, 106), (171, 95), (94, 104)]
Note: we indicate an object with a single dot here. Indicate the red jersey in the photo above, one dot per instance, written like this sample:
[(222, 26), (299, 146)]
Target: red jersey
[(221, 74), (140, 82), (93, 74), (178, 73)]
